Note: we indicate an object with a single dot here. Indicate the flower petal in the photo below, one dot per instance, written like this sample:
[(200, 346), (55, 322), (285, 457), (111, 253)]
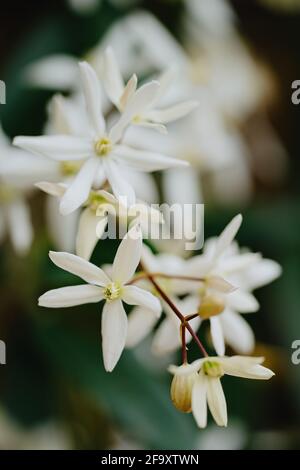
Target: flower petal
[(140, 323), (62, 228), (112, 78), (78, 191), (54, 189), (217, 335), (216, 401), (228, 235), (199, 407), (114, 332), (172, 113), (71, 296), (80, 267), (242, 301), (120, 187), (20, 226), (245, 367), (237, 332), (133, 295), (90, 229), (92, 94), (146, 161), (129, 90), (57, 147), (128, 255)]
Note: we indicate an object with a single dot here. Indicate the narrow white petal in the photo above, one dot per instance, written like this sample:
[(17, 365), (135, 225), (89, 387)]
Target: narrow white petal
[(128, 255), (90, 229), (78, 191), (237, 332), (92, 94), (55, 72), (172, 113), (242, 301), (153, 125), (239, 366), (79, 267), (228, 235), (146, 161), (217, 335), (199, 406), (114, 332), (219, 284), (216, 401), (57, 147), (112, 78), (20, 226), (128, 91), (120, 187), (140, 323), (133, 295), (186, 178), (264, 272), (54, 189), (71, 296), (62, 228)]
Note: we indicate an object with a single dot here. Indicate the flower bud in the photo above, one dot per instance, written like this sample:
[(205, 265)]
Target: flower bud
[(181, 390)]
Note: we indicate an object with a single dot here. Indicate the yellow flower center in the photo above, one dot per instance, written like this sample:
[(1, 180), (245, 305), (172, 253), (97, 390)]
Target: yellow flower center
[(112, 291), (103, 147), (70, 168), (213, 369), (95, 200)]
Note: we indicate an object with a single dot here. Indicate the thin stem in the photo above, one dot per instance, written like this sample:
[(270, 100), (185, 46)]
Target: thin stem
[(191, 317), (177, 312), (183, 344)]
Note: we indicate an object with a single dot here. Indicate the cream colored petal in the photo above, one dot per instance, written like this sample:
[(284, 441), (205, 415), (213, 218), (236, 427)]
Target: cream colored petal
[(79, 267), (71, 296), (199, 406), (114, 332), (141, 321), (217, 335), (216, 401)]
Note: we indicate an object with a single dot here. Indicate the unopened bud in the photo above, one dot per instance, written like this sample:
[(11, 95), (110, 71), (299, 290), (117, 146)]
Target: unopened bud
[(181, 391)]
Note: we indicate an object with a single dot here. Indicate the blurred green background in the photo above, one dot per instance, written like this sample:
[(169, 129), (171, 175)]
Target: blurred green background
[(54, 370)]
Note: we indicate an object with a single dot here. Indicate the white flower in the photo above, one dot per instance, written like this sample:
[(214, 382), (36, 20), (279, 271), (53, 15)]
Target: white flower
[(222, 260), (124, 97), (84, 6), (93, 219), (102, 153), (207, 388), (18, 171), (114, 290)]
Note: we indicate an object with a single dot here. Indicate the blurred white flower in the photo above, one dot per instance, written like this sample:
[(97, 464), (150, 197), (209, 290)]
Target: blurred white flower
[(207, 388), (84, 6), (94, 219), (246, 271), (47, 436), (114, 290), (18, 171), (121, 96), (102, 153)]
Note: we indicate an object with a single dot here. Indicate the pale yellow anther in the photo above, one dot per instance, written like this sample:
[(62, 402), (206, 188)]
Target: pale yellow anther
[(103, 147), (112, 291), (213, 369)]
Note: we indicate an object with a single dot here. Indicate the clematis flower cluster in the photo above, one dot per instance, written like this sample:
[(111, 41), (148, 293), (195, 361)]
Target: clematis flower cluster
[(92, 160)]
